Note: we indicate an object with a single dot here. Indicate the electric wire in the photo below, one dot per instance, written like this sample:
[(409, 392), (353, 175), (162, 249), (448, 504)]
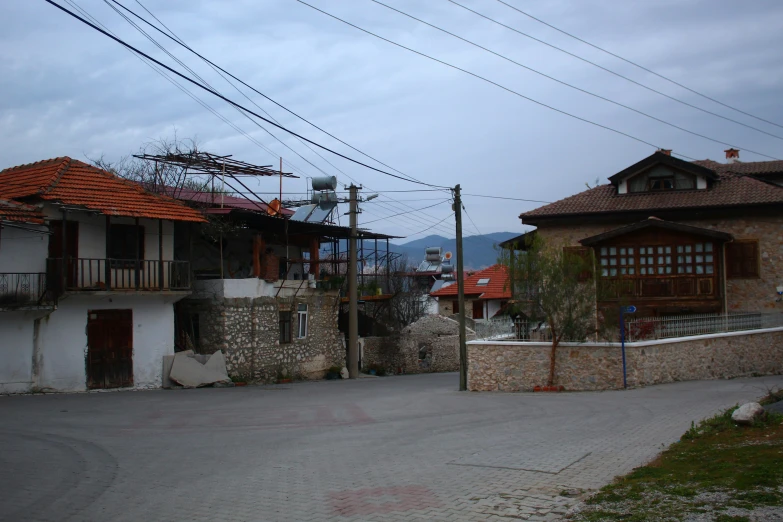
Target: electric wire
[(640, 66), (571, 86), (406, 212), (585, 60), (228, 100), (482, 78)]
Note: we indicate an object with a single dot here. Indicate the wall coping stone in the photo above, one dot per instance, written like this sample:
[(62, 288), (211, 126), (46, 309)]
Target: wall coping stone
[(637, 344)]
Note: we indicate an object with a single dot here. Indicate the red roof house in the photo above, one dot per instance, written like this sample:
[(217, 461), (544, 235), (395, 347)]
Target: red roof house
[(485, 293)]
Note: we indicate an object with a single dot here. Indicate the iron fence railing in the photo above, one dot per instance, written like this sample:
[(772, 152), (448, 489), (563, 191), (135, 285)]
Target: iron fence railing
[(83, 274), (510, 329), (22, 289), (651, 328)]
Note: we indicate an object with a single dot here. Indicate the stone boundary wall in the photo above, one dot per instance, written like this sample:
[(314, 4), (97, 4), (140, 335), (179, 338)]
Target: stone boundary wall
[(434, 337), (520, 366)]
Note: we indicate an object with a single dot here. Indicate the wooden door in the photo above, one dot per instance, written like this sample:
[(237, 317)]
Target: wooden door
[(56, 251), (109, 349)]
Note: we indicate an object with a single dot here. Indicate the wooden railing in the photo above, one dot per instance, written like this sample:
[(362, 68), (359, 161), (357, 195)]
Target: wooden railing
[(85, 274)]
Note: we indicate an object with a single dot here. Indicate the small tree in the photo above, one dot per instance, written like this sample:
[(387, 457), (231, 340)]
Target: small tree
[(553, 283), (409, 300)]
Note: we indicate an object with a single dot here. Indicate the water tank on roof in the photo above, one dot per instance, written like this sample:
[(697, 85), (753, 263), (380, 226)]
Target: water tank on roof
[(432, 254), (325, 183), (327, 198)]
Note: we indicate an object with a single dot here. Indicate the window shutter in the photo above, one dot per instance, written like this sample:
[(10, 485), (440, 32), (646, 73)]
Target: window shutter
[(583, 255), (742, 259)]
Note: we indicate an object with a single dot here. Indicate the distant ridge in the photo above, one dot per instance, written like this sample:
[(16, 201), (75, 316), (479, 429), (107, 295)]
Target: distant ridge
[(479, 251)]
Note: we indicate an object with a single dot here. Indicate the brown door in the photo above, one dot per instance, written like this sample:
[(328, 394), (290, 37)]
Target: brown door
[(109, 348), (56, 252)]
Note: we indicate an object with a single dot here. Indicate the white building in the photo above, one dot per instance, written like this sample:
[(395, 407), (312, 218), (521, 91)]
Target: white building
[(87, 279)]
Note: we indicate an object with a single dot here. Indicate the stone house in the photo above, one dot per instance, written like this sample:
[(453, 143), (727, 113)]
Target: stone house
[(487, 292), (262, 293), (88, 278), (676, 237)]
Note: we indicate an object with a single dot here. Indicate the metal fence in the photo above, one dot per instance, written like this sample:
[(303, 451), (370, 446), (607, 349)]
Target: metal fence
[(650, 328), (509, 329), (22, 289)]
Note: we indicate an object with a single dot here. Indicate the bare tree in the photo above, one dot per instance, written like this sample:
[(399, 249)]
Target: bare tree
[(553, 284), (409, 300)]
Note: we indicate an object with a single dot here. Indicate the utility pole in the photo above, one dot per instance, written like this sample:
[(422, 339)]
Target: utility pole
[(353, 298), (463, 348)]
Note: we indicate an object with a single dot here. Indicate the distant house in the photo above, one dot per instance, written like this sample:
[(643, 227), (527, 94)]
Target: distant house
[(672, 236), (88, 278), (486, 293)]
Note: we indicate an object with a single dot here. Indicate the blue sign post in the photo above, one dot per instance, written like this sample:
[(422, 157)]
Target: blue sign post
[(624, 310)]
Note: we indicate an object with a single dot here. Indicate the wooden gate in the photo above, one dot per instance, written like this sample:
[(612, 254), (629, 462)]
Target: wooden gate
[(109, 349)]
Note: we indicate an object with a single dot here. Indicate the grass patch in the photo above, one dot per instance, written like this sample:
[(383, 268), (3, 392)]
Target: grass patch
[(717, 470)]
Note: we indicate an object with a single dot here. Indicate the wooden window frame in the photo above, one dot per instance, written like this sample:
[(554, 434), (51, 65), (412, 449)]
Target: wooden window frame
[(729, 262), (584, 254)]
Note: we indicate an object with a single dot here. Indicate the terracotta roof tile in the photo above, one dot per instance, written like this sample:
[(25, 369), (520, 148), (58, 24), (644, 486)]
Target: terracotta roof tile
[(497, 288), (205, 198), (73, 182), (19, 212), (732, 188)]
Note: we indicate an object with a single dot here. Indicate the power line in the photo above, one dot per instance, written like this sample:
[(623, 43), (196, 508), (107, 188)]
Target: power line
[(585, 120), (406, 212), (569, 85), (594, 64), (640, 67), (214, 65), (228, 100)]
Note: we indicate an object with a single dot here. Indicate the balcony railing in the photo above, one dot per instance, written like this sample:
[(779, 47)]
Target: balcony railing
[(88, 274), (22, 289)]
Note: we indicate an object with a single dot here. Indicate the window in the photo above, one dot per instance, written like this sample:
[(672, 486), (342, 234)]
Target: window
[(617, 261), (697, 259), (742, 259), (478, 310), (661, 184), (285, 327), (483, 282), (125, 242), (302, 320), (455, 307)]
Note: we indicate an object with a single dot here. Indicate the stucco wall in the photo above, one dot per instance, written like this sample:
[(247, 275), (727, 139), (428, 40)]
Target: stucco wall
[(248, 332), (757, 294), (62, 343), (433, 336), (519, 366), (22, 251)]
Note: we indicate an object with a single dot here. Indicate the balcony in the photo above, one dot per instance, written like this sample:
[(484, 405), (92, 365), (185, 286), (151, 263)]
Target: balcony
[(100, 275), (23, 290)]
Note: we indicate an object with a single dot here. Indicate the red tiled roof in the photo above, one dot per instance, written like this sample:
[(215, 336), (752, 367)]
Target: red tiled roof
[(73, 182), (206, 198), (497, 288), (19, 212), (732, 188)]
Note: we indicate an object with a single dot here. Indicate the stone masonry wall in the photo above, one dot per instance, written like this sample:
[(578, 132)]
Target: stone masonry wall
[(754, 295), (248, 332), (519, 366), (434, 337)]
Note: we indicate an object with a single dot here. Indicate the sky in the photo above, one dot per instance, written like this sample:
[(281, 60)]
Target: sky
[(71, 91)]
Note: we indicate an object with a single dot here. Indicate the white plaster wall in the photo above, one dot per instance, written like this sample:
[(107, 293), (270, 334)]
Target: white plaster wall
[(16, 351), (64, 339), (493, 306), (23, 251)]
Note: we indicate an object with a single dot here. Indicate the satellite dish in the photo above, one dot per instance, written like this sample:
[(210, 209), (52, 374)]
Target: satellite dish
[(447, 256)]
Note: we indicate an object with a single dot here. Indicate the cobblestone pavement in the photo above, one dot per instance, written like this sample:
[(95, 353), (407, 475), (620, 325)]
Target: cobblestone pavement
[(394, 448)]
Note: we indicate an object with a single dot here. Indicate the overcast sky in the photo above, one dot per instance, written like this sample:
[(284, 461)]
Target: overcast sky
[(68, 90)]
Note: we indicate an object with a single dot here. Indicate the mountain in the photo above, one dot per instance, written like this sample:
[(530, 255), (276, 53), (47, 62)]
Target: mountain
[(478, 251)]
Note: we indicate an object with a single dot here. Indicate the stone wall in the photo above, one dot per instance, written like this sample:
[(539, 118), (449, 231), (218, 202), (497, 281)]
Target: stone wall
[(431, 344), (248, 333), (446, 306), (520, 366), (754, 295)]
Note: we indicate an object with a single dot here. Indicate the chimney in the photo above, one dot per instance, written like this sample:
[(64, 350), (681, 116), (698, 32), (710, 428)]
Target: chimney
[(668, 152), (732, 155)]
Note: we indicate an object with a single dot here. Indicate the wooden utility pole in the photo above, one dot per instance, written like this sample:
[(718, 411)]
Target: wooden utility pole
[(353, 298), (463, 348)]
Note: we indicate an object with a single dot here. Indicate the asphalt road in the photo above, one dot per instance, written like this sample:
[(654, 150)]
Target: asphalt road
[(392, 448)]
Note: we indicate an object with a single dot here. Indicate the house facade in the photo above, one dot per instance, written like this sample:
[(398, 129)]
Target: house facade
[(88, 279), (487, 292), (671, 236)]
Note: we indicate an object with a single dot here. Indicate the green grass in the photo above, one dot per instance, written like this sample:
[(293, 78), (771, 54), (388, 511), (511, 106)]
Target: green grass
[(716, 465)]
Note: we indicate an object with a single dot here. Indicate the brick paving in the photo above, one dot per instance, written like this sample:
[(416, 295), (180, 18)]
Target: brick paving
[(394, 448)]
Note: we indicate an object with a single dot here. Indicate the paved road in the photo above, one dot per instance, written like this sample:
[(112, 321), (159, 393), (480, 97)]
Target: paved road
[(394, 448)]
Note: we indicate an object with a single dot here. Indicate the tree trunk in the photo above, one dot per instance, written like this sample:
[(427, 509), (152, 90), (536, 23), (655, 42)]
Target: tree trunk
[(555, 342)]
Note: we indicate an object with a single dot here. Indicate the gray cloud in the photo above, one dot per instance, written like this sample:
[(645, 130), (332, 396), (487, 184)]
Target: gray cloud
[(70, 91)]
